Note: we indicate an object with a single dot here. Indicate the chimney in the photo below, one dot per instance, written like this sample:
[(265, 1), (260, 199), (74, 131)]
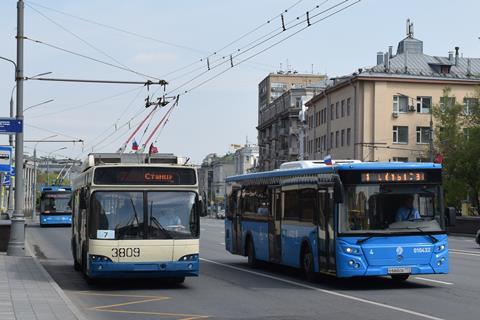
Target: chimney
[(450, 56), (379, 57), (390, 52), (386, 61), (456, 55)]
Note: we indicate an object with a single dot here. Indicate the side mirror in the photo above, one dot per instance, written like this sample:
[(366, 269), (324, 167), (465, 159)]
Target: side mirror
[(83, 200), (451, 216), (338, 192), (201, 208)]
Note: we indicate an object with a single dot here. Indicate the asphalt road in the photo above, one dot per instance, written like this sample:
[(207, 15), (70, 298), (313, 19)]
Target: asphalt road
[(229, 289)]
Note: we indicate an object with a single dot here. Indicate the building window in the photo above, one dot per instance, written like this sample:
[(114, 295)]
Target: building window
[(337, 112), (343, 108), (331, 140), (331, 112), (423, 135), (450, 102), (343, 137), (424, 104), (349, 136), (298, 102), (337, 138), (325, 142), (469, 104), (348, 107), (400, 159), (400, 104), (400, 134)]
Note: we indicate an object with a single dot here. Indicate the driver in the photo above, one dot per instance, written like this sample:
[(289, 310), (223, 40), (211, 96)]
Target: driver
[(407, 212), (169, 218)]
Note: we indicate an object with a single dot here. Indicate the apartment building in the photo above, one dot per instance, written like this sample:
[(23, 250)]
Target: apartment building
[(383, 113)]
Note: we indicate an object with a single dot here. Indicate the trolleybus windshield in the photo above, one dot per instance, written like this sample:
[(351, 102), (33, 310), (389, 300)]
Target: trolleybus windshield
[(125, 215), (391, 208), (55, 202)]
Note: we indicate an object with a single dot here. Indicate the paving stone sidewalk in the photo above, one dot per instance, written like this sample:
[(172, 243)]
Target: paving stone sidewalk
[(27, 293)]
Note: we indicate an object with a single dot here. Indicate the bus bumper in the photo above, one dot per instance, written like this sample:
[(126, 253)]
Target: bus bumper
[(170, 269), (55, 219)]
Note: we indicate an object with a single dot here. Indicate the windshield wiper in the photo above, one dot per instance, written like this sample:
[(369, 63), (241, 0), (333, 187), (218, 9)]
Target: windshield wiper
[(360, 241), (165, 231), (434, 240)]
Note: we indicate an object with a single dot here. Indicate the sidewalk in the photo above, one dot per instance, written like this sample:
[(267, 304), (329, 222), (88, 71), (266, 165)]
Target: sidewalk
[(27, 292)]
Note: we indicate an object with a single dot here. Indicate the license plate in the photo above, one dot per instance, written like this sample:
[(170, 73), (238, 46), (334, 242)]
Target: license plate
[(396, 270)]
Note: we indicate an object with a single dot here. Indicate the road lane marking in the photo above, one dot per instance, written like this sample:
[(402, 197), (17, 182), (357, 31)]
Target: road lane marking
[(144, 299), (467, 253), (330, 292), (436, 281)]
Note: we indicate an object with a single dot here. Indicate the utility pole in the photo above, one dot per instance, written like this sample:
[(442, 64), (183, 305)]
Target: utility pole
[(10, 142), (16, 245), (430, 138)]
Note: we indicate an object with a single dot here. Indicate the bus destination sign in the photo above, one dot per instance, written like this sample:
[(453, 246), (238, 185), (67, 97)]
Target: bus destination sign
[(144, 176), (393, 176)]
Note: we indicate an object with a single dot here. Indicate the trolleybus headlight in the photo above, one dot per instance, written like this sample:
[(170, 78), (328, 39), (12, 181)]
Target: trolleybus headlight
[(351, 262), (441, 261), (441, 248), (98, 258), (356, 265), (189, 257), (351, 250)]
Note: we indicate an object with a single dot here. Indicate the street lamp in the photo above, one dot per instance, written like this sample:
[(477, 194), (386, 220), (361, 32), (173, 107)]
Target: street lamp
[(38, 104), (48, 163)]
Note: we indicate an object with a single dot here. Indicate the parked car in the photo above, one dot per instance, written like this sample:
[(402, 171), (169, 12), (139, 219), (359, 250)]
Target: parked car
[(477, 237), (220, 214)]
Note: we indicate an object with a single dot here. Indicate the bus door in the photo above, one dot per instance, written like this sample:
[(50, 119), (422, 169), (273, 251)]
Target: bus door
[(274, 227), (237, 225), (326, 253)]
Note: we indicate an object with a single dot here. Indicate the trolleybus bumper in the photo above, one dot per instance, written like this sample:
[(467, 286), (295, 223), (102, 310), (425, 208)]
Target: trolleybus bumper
[(170, 269)]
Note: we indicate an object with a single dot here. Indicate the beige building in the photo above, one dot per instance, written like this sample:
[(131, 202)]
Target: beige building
[(384, 113)]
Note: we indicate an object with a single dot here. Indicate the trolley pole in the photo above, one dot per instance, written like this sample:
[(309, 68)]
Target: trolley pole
[(16, 245)]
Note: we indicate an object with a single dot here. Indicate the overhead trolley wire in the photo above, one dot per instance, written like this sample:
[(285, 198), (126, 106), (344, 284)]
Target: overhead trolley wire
[(87, 43)]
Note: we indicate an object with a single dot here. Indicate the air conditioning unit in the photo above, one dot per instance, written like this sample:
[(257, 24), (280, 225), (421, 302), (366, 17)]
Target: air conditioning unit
[(395, 114), (411, 108)]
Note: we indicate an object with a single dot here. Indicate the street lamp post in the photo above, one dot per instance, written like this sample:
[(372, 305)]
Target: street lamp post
[(48, 163)]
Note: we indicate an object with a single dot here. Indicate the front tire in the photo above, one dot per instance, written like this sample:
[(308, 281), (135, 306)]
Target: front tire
[(178, 280), (400, 277)]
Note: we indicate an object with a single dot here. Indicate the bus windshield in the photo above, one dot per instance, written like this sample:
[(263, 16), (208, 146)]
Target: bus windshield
[(55, 202), (143, 215), (387, 208)]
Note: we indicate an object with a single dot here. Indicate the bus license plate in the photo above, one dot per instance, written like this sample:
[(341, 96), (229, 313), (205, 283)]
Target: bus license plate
[(396, 270)]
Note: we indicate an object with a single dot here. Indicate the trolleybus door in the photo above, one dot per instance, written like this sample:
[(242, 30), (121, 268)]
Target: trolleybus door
[(237, 225), (330, 233), (325, 230), (274, 227)]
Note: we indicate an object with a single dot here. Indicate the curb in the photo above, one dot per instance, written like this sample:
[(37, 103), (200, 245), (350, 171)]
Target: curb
[(70, 305)]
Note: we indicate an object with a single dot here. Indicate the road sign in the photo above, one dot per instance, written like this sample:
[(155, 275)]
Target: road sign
[(10, 126), (6, 180), (5, 158), (12, 172)]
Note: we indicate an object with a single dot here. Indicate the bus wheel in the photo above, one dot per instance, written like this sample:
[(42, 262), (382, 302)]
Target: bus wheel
[(307, 264), (400, 277), (252, 260)]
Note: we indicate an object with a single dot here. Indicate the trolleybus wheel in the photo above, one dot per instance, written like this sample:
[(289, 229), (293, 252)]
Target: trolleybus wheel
[(307, 264), (178, 280), (252, 260), (400, 277)]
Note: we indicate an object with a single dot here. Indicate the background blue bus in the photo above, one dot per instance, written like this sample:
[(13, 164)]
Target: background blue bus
[(55, 206), (341, 220)]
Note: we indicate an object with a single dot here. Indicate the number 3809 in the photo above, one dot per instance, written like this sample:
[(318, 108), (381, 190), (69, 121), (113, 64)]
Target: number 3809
[(125, 252)]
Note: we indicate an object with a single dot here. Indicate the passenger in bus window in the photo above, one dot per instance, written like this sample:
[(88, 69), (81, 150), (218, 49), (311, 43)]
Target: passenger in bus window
[(407, 212)]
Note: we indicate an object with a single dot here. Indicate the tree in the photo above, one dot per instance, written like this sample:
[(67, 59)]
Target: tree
[(457, 134)]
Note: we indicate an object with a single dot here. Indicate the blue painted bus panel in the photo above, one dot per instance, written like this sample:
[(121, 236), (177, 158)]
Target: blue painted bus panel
[(57, 219), (293, 235), (259, 232), (376, 255)]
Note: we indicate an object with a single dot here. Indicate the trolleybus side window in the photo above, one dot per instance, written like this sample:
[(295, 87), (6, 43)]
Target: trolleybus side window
[(256, 201), (307, 204), (291, 211)]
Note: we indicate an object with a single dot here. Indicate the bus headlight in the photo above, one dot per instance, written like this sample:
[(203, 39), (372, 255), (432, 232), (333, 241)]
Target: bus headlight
[(441, 261), (189, 257), (99, 258), (351, 250), (440, 248)]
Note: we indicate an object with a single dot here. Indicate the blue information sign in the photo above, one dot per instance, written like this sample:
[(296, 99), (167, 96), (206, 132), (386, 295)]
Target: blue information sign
[(10, 126), (6, 159), (6, 180)]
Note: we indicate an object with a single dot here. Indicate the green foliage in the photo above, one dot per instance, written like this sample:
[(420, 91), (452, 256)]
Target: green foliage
[(457, 139)]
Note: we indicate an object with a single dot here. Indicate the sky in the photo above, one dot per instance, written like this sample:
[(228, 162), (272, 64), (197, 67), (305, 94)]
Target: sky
[(175, 34)]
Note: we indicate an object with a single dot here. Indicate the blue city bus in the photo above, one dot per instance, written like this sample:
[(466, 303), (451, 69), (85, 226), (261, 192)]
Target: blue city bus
[(55, 206), (343, 219)]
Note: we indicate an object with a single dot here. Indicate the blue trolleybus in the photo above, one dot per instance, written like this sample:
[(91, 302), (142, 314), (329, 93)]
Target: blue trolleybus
[(348, 219), (55, 206)]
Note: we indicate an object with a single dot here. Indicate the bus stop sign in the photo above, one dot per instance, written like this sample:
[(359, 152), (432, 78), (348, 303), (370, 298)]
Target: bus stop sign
[(10, 126), (5, 159)]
